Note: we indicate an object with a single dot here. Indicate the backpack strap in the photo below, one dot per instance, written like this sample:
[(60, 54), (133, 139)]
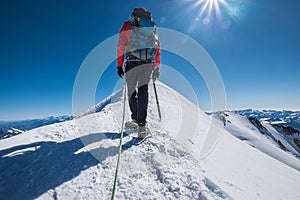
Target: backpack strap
[(134, 22)]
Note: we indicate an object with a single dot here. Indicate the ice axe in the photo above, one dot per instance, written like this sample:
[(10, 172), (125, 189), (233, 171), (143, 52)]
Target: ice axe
[(156, 97)]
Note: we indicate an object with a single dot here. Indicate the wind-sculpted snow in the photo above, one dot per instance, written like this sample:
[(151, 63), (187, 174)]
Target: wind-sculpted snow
[(76, 159)]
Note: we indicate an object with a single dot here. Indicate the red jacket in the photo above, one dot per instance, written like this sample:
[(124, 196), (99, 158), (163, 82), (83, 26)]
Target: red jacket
[(124, 38)]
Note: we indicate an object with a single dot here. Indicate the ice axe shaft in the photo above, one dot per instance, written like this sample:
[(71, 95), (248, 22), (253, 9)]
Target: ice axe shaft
[(157, 102)]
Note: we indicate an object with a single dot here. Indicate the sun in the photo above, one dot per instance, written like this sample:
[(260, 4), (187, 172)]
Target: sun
[(211, 14), (210, 7)]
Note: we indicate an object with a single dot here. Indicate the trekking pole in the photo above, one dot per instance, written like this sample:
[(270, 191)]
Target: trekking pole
[(156, 97), (120, 145)]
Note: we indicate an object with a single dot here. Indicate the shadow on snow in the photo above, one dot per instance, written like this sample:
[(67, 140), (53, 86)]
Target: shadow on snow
[(50, 164)]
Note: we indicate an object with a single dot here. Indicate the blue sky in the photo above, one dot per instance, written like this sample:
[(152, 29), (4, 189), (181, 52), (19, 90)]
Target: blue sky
[(256, 47)]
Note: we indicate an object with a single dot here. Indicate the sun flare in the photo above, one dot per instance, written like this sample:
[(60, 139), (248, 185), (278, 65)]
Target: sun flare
[(209, 7)]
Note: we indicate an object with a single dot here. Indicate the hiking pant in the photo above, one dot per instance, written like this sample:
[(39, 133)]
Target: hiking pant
[(137, 78)]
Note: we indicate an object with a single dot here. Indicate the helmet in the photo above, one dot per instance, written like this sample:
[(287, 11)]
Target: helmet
[(141, 9), (141, 12)]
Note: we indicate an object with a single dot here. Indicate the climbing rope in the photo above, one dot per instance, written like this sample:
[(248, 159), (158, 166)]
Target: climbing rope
[(120, 146)]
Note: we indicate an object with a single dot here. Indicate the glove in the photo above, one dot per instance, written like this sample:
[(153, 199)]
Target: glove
[(120, 72), (155, 74)]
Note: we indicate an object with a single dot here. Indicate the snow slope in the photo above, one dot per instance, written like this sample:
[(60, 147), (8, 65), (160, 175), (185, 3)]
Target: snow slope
[(260, 136), (76, 159)]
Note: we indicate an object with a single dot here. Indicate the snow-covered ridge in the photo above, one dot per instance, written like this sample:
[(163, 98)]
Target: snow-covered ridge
[(286, 123), (264, 136), (76, 159)]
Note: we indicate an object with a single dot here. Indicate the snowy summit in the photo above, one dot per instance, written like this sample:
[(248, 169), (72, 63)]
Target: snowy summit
[(77, 159)]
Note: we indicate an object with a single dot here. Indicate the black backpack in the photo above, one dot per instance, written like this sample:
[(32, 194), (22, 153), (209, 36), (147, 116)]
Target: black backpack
[(143, 37)]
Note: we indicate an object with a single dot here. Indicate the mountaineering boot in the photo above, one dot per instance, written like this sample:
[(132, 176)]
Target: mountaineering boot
[(131, 124), (143, 131)]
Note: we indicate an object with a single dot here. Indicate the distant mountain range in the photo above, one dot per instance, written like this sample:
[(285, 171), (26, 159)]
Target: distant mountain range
[(11, 128), (282, 118)]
